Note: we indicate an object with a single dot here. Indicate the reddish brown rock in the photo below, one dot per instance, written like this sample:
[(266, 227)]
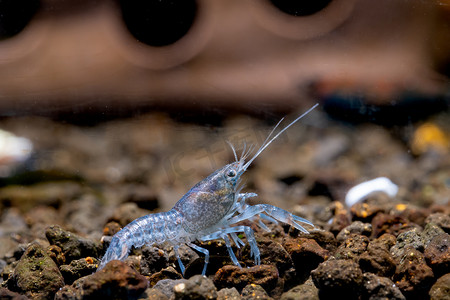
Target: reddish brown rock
[(115, 281), (410, 212), (376, 287), (254, 291), (325, 239), (271, 253), (364, 212), (356, 227), (306, 255), (6, 294), (441, 289), (338, 278), (377, 259), (353, 247), (437, 254), (413, 276), (228, 294), (384, 223), (56, 254), (341, 218), (111, 228), (233, 276), (167, 273), (440, 219)]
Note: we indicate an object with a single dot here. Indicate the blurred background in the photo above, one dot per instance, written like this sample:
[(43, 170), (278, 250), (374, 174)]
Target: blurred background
[(109, 58)]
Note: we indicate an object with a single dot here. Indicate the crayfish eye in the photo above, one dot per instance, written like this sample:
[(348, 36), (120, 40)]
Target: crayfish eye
[(231, 173)]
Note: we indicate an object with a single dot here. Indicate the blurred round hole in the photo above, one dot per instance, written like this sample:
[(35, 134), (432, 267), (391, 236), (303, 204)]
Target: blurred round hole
[(300, 7), (158, 22), (15, 15)]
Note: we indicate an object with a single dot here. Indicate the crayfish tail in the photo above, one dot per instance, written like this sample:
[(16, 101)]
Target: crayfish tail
[(116, 251)]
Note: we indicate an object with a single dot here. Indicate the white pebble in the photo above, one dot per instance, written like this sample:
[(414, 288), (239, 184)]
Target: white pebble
[(363, 190), (13, 150)]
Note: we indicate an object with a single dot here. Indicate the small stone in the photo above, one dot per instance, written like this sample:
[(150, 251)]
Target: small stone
[(411, 238), (437, 254), (197, 287), (78, 268), (56, 254), (377, 259), (325, 239), (36, 274), (153, 294), (338, 278), (6, 294), (413, 276), (153, 260), (271, 253), (341, 218), (306, 291), (429, 232), (254, 291), (115, 281), (228, 294), (356, 227), (441, 289), (385, 223), (233, 276), (111, 228), (353, 247), (365, 211), (306, 255), (167, 273), (440, 219), (72, 245), (377, 288), (166, 286)]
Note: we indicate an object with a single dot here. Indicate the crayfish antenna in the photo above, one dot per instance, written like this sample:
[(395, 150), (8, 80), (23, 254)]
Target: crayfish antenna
[(269, 140)]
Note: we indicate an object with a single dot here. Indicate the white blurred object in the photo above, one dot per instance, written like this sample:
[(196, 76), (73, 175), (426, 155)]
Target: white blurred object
[(13, 151), (363, 190)]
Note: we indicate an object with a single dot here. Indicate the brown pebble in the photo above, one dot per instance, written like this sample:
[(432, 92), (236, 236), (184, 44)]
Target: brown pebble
[(306, 255), (384, 223), (254, 291), (413, 276), (233, 276), (440, 219), (167, 273), (325, 239), (353, 247), (441, 289), (341, 218), (377, 259), (228, 294), (356, 227), (437, 254), (338, 278), (376, 287), (364, 212), (111, 228), (115, 281)]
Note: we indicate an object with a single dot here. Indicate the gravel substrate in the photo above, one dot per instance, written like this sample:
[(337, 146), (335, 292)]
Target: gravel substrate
[(83, 183)]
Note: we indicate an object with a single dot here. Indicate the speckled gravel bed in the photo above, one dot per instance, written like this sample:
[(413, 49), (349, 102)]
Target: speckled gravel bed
[(83, 183)]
